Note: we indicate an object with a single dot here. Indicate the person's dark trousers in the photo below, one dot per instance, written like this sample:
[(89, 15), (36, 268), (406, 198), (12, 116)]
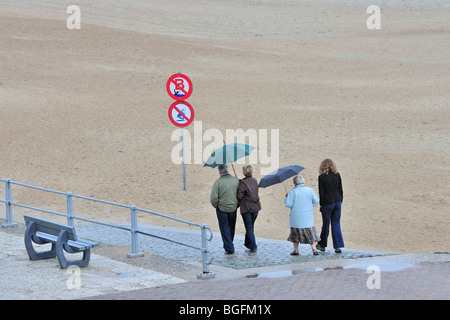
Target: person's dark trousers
[(227, 225), (331, 213), (249, 223)]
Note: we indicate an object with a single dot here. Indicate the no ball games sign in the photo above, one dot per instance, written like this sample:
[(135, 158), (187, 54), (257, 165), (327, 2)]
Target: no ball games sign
[(179, 87)]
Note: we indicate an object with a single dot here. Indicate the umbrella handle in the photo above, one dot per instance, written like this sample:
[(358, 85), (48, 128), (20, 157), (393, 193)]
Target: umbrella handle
[(231, 164), (284, 187), (234, 171)]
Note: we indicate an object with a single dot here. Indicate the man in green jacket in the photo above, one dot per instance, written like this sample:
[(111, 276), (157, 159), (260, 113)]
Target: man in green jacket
[(224, 199)]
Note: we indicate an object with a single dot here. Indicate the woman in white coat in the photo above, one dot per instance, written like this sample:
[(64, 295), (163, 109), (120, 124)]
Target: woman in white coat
[(302, 199)]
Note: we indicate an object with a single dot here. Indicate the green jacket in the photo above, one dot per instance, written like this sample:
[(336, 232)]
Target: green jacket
[(223, 193)]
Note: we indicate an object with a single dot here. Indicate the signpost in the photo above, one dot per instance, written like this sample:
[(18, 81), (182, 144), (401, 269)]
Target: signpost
[(181, 113)]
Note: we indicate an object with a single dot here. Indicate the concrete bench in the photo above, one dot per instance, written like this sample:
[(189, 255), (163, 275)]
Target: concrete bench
[(62, 237)]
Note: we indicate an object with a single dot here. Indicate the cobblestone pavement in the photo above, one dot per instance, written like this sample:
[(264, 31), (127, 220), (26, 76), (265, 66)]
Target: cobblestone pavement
[(270, 252)]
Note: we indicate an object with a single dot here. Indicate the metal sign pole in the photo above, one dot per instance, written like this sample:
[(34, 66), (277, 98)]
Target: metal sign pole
[(184, 162)]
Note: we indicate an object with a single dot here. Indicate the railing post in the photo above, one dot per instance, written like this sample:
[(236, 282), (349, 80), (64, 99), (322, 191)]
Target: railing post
[(206, 274), (9, 212), (69, 209), (134, 235)]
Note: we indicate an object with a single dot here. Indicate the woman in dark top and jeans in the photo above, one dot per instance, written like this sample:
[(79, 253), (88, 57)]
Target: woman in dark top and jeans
[(248, 200), (331, 196)]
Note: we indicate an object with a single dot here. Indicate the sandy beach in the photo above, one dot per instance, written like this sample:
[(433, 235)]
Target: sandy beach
[(85, 110)]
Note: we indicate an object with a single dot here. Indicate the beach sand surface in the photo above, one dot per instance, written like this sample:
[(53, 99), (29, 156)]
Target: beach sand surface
[(85, 110)]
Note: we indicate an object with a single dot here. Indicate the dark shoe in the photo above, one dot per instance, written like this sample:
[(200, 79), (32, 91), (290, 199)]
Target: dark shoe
[(338, 250), (229, 252), (294, 253), (320, 248), (315, 253)]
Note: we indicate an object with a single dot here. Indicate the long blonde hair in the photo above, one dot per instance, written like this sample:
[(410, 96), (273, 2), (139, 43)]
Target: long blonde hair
[(326, 166)]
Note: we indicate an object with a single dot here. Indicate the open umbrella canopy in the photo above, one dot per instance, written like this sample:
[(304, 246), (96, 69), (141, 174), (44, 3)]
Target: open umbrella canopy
[(228, 153), (279, 175)]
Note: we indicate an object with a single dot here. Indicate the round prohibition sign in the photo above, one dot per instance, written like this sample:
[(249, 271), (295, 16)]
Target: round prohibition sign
[(181, 114), (179, 86)]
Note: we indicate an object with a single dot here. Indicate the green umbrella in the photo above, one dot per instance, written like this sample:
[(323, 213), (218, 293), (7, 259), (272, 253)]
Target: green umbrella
[(228, 153)]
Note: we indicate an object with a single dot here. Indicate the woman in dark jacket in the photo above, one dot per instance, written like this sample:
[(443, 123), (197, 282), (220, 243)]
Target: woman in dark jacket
[(331, 196), (250, 205)]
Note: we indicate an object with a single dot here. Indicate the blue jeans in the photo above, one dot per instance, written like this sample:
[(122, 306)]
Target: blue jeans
[(227, 225), (331, 213), (249, 222)]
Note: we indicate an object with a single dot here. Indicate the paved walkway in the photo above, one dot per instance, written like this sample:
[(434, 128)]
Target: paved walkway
[(270, 252), (273, 274), (419, 281), (169, 271)]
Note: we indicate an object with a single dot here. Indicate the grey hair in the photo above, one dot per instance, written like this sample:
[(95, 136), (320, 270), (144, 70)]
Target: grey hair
[(247, 170), (223, 168), (299, 180)]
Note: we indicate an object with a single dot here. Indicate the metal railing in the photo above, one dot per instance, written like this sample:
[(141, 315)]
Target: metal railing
[(134, 230)]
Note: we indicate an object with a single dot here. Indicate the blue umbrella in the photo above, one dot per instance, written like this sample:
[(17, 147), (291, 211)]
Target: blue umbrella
[(228, 153), (279, 176)]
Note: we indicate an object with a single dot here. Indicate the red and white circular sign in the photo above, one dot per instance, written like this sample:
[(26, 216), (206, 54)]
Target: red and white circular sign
[(181, 114), (179, 86)]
